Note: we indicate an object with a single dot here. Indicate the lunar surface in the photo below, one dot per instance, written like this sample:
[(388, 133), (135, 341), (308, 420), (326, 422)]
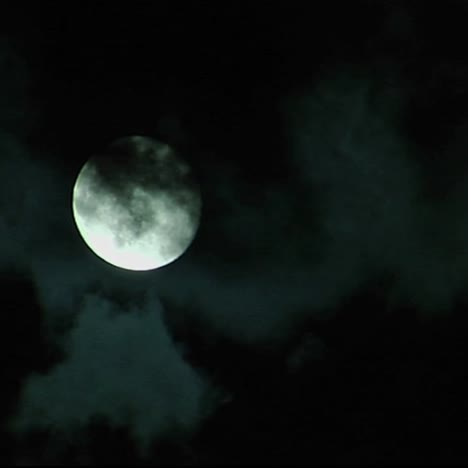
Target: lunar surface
[(136, 205)]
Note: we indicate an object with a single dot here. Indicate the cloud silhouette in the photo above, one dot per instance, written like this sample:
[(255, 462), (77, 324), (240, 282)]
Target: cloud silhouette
[(121, 365)]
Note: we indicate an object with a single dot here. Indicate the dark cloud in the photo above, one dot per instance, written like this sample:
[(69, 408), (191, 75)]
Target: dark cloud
[(121, 365), (143, 162), (370, 184), (353, 209)]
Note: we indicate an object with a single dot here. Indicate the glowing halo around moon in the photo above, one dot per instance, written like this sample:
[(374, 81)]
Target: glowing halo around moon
[(136, 205)]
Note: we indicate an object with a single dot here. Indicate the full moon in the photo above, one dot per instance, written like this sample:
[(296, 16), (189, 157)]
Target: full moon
[(136, 205)]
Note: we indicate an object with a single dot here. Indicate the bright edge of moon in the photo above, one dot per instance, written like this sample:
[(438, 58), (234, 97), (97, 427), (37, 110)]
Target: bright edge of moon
[(147, 216)]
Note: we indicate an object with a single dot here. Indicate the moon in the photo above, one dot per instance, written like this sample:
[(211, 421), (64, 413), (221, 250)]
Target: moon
[(136, 204)]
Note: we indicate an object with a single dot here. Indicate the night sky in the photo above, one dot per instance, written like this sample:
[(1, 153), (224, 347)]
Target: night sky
[(321, 314)]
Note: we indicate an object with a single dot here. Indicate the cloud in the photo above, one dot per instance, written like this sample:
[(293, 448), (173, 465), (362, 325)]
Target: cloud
[(271, 255), (371, 184), (347, 212), (353, 209), (310, 347), (121, 365)]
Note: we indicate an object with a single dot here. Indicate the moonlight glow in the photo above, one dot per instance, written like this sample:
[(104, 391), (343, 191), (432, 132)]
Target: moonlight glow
[(136, 205)]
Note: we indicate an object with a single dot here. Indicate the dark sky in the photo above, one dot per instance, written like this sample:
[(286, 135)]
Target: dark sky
[(320, 315)]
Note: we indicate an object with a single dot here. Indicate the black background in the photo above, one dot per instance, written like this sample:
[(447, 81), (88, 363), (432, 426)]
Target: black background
[(209, 78)]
